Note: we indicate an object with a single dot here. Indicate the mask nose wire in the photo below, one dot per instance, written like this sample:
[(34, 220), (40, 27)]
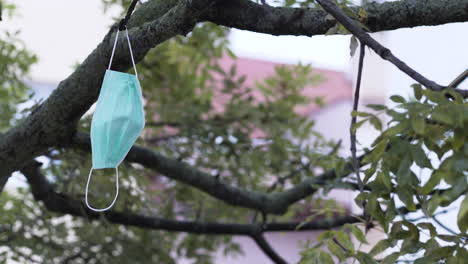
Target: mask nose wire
[(116, 192)]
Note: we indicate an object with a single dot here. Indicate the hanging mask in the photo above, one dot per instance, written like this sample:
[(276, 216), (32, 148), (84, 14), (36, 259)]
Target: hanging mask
[(117, 122)]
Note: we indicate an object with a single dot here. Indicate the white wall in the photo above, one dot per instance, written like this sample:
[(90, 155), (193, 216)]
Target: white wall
[(61, 33)]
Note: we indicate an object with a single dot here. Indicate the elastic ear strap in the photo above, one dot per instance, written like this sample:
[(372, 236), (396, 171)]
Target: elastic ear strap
[(131, 52), (129, 47), (113, 49), (116, 192)]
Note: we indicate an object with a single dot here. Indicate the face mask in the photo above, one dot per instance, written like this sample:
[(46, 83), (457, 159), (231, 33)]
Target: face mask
[(117, 122)]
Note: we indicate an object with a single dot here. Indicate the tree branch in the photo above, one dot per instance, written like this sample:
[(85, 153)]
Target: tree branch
[(460, 78), (267, 249), (43, 191), (384, 53), (352, 130), (274, 203), (247, 15)]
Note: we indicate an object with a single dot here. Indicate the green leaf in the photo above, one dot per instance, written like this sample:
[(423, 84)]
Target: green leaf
[(398, 99), (363, 196), (231, 54), (431, 183), (419, 157), (418, 124), (380, 247), (361, 114), (391, 259), (357, 125), (403, 174), (369, 173), (458, 138), (382, 183), (406, 196), (344, 240), (364, 258), (353, 46), (462, 218), (391, 211), (336, 250), (436, 97), (376, 107), (443, 115), (449, 238), (436, 255), (417, 91), (326, 235), (395, 130), (357, 233), (377, 152), (374, 209), (430, 227), (325, 258), (376, 122), (315, 256)]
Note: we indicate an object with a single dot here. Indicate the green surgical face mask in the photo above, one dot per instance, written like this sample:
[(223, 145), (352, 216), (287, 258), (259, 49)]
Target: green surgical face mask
[(117, 122)]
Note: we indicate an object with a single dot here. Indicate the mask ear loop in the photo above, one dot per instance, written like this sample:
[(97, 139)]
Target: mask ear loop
[(116, 192), (129, 47), (131, 52), (113, 49)]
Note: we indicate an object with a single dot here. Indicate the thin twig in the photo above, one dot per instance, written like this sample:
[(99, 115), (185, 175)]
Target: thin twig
[(354, 117), (124, 21), (434, 217), (384, 53), (425, 217), (461, 78), (267, 249), (162, 123), (340, 245)]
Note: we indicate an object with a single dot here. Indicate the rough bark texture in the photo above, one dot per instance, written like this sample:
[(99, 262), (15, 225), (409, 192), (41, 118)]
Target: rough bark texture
[(245, 14)]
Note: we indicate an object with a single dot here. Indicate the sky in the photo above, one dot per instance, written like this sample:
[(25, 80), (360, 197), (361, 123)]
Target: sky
[(63, 33)]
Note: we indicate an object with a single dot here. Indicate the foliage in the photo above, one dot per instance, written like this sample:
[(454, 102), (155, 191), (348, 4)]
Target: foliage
[(419, 163), (15, 62)]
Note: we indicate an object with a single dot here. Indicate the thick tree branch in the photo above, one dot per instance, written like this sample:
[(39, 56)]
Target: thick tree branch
[(43, 191), (247, 15), (274, 203)]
